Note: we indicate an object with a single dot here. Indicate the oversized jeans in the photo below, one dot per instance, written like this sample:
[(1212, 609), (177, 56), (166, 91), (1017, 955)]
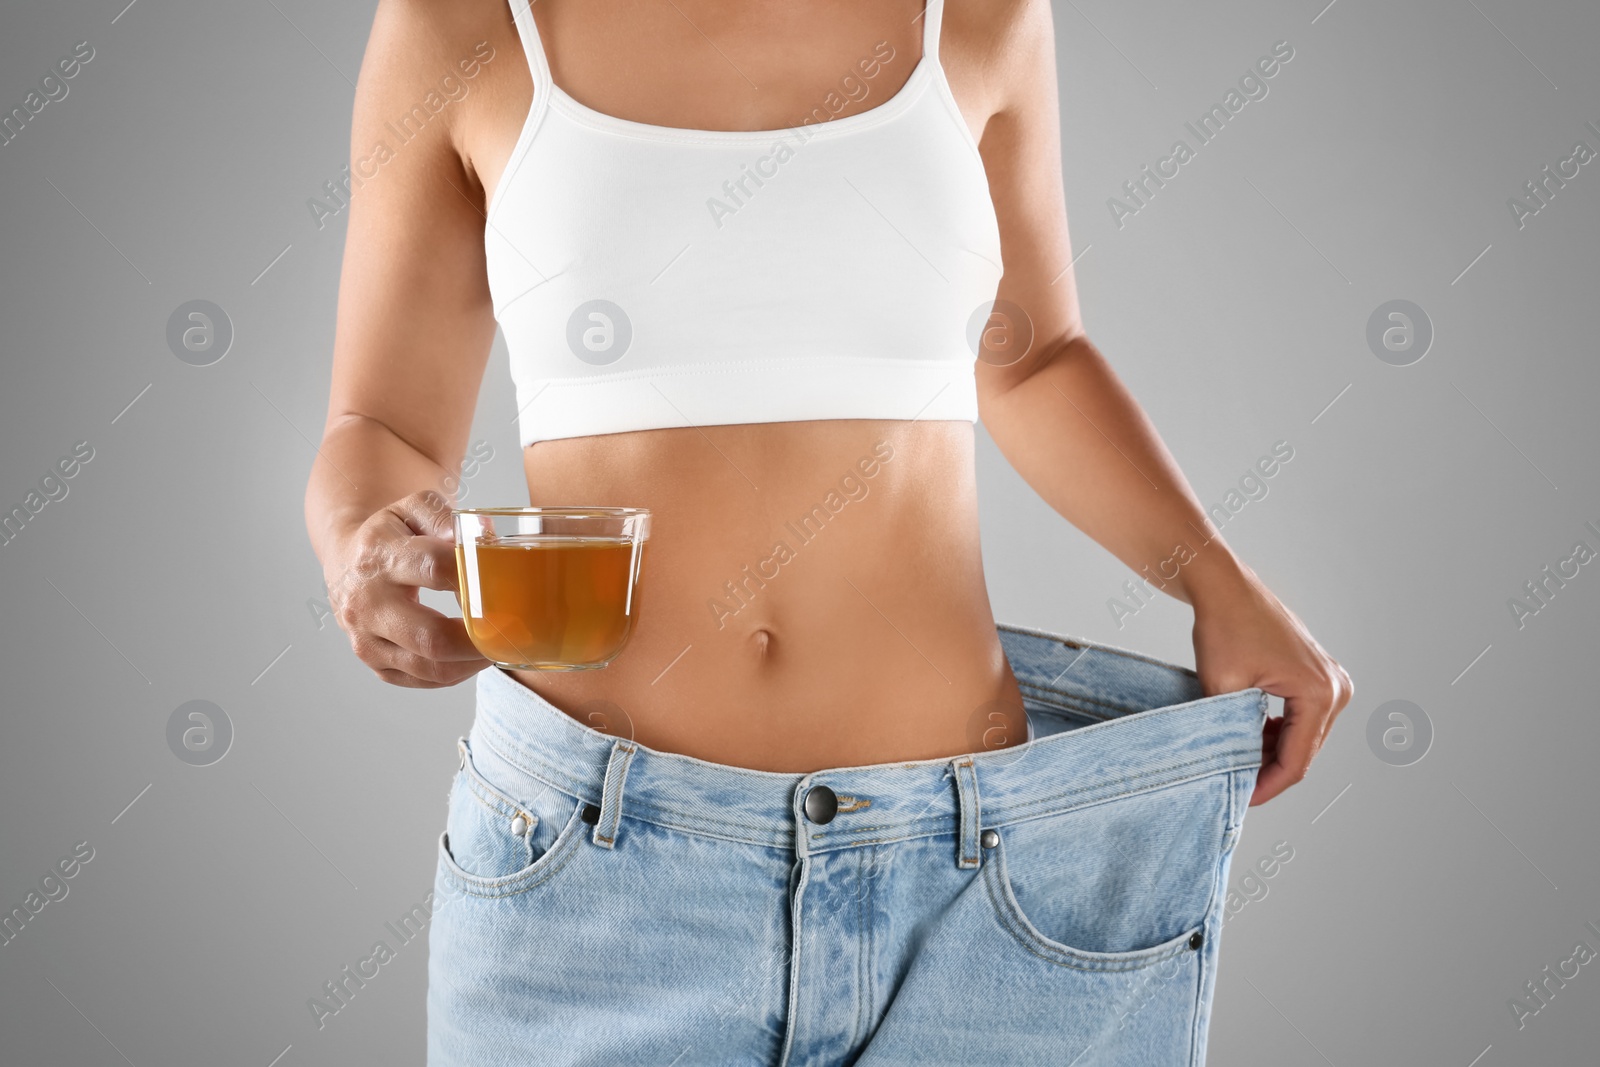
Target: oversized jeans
[(1057, 901)]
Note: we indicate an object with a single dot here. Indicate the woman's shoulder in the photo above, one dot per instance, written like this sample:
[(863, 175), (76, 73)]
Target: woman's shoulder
[(416, 45), (985, 46), (440, 75)]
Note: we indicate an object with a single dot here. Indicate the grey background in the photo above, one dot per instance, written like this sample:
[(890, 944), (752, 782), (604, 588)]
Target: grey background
[(1420, 498)]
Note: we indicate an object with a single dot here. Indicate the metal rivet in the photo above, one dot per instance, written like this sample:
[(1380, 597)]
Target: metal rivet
[(822, 804), (519, 826), (990, 838), (1196, 939), (591, 814)]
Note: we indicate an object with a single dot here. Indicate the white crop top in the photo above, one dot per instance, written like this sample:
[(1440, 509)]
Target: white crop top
[(654, 276)]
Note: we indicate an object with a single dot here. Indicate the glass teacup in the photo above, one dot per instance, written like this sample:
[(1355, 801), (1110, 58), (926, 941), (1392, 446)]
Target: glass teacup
[(550, 588)]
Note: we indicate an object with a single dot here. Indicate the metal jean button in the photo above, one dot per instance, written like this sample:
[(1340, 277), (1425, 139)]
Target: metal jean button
[(822, 804)]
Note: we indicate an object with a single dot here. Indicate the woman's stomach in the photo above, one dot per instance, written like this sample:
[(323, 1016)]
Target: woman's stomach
[(811, 595)]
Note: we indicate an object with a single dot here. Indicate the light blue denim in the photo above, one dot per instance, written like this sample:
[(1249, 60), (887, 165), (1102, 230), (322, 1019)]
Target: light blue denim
[(702, 917)]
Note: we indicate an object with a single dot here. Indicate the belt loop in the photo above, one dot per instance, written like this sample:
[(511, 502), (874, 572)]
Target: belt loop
[(969, 814), (605, 827)]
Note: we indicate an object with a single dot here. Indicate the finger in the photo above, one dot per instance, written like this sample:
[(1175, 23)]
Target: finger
[(404, 680), (1347, 688), (424, 632), (1269, 738), (427, 513), (398, 677), (396, 665), (422, 561), (1296, 744)]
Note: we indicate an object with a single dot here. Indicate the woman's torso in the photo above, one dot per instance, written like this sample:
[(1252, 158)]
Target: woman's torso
[(867, 637)]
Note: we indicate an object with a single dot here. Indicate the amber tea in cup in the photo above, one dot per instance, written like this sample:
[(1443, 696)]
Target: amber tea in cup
[(548, 588)]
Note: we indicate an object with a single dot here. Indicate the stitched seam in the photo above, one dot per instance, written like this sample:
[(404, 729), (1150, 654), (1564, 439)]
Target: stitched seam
[(929, 827), (1076, 959), (919, 828), (1187, 707), (689, 822), (966, 797), (1079, 694), (954, 362), (489, 796), (1063, 710), (616, 797), (1230, 837), (1057, 700), (512, 753), (509, 749), (975, 816), (1131, 965), (855, 1027), (943, 826), (1068, 641), (493, 806), (1016, 813), (872, 888), (1072, 700), (792, 1001), (467, 884)]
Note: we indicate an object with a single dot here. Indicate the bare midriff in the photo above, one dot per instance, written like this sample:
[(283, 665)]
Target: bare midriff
[(867, 637)]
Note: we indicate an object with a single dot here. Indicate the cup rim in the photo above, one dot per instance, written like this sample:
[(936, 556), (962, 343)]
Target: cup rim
[(571, 512)]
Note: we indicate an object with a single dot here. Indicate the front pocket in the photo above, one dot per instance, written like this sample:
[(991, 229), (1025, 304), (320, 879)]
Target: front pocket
[(1117, 885), (503, 838)]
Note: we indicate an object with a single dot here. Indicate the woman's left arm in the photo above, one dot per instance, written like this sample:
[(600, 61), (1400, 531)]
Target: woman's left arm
[(1068, 425)]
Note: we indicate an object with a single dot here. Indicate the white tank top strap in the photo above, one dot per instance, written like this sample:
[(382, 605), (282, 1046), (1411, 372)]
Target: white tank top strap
[(533, 47), (932, 17)]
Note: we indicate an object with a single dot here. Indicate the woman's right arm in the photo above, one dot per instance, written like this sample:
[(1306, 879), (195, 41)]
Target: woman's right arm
[(415, 324)]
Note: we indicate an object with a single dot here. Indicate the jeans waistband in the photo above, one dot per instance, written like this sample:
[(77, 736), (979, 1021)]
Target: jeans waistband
[(1112, 722)]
